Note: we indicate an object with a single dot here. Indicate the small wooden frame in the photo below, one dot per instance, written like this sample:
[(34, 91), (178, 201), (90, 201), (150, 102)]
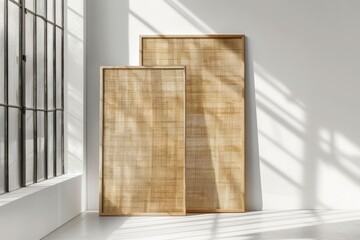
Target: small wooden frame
[(142, 141), (215, 120)]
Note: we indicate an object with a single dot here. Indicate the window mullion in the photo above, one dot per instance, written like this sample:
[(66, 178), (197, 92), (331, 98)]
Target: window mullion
[(62, 87), (6, 97), (54, 91), (35, 95), (22, 88), (46, 98)]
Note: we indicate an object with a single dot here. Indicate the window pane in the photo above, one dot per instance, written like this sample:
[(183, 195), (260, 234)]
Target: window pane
[(29, 49), (40, 146), (29, 147), (29, 4), (13, 55), (2, 47), (50, 10), (58, 67), (40, 32), (2, 148), (40, 7), (58, 12), (14, 148), (59, 165), (50, 66), (50, 155)]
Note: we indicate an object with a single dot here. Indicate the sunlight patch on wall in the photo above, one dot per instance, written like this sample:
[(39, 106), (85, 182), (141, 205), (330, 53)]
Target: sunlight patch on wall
[(339, 169), (75, 86), (281, 129)]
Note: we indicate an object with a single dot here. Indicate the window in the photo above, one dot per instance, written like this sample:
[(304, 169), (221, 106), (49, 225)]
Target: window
[(31, 92)]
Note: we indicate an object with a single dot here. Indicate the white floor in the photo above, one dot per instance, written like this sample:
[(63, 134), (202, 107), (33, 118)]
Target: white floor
[(276, 225)]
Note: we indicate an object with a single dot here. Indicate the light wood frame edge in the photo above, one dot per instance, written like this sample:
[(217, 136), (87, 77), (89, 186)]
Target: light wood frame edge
[(194, 36), (215, 211), (141, 67), (142, 37), (243, 209), (119, 214), (184, 170), (101, 112)]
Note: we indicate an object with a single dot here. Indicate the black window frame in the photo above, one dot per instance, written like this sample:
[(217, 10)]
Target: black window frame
[(57, 95)]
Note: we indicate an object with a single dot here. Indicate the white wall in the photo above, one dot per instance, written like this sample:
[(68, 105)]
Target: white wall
[(106, 44), (303, 141)]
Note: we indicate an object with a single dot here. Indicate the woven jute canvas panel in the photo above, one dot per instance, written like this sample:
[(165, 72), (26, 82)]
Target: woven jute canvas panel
[(214, 115), (142, 141)]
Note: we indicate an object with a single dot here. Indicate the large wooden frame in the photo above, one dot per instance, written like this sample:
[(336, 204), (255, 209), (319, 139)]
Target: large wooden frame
[(142, 141), (215, 121)]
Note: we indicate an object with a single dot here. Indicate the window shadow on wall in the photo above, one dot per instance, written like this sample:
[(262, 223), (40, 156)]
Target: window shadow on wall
[(307, 124)]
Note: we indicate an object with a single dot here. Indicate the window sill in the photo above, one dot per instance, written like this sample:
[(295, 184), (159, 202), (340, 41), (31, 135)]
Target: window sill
[(13, 196)]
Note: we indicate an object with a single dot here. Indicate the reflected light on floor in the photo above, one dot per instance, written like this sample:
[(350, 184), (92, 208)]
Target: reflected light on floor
[(280, 225)]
